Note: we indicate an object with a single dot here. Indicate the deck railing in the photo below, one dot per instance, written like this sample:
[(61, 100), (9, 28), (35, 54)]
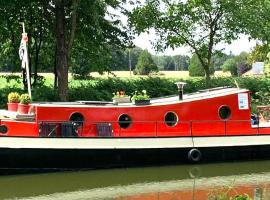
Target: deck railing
[(152, 128)]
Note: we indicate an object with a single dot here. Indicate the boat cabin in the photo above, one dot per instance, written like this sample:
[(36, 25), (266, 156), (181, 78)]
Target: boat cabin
[(213, 112)]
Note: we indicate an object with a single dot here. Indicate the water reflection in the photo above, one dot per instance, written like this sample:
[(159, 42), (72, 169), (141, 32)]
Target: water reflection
[(185, 182)]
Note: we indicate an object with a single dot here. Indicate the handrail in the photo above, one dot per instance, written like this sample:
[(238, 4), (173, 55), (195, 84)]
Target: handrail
[(191, 128)]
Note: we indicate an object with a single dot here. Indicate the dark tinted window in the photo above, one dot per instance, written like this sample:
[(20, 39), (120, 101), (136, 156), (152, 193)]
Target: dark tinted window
[(124, 121), (224, 112), (171, 119)]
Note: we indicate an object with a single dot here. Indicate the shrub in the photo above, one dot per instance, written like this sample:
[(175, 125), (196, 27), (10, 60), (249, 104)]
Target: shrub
[(140, 96), (13, 97), (25, 99)]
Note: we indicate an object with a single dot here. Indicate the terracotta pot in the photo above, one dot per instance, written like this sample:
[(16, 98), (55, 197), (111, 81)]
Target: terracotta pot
[(23, 108), (12, 106)]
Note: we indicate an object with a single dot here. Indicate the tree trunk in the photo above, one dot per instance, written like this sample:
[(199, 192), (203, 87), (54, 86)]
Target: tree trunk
[(61, 52), (55, 70), (207, 76)]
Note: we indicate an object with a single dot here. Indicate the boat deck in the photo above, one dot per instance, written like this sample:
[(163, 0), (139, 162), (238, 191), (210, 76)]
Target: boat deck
[(203, 94), (5, 114)]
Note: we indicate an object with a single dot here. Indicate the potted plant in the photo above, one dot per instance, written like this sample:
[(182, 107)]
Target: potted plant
[(141, 98), (120, 97), (13, 101), (24, 106)]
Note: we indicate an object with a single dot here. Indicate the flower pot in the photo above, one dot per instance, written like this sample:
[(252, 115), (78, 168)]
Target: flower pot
[(121, 100), (12, 106), (142, 102), (23, 108)]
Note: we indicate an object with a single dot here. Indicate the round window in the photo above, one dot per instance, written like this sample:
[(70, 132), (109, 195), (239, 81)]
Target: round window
[(3, 129), (171, 119), (124, 121), (77, 119), (224, 112)]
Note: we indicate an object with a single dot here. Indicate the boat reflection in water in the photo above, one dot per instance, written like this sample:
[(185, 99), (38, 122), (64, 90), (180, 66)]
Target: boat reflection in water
[(185, 182)]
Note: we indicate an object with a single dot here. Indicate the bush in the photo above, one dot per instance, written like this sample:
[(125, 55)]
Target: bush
[(100, 89), (13, 97), (25, 99)]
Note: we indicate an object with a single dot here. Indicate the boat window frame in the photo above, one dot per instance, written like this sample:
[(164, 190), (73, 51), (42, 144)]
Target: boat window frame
[(176, 122), (230, 113), (123, 122)]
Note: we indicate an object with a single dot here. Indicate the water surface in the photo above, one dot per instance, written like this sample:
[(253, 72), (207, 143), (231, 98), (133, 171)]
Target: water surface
[(149, 183)]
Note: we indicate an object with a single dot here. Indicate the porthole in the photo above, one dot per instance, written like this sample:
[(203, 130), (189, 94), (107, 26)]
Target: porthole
[(77, 118), (171, 119), (224, 112), (124, 121), (3, 129)]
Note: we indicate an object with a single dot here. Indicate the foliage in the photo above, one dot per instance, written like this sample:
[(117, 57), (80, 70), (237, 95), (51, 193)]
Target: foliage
[(25, 99), (258, 53), (230, 65), (55, 41), (99, 89), (13, 97), (145, 64), (237, 65), (140, 96), (219, 58), (242, 63), (227, 193), (266, 67), (195, 67), (201, 25), (257, 27), (172, 63)]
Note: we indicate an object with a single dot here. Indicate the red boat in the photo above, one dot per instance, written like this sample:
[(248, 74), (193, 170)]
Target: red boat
[(211, 124)]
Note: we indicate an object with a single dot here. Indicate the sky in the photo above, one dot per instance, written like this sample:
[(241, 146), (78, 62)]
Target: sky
[(236, 47)]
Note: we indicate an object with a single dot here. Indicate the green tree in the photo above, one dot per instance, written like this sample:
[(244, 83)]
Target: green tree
[(181, 62), (259, 53), (242, 63), (257, 27), (62, 33), (145, 64), (219, 58), (134, 56), (230, 65), (266, 67), (39, 34), (195, 67), (199, 24), (237, 65)]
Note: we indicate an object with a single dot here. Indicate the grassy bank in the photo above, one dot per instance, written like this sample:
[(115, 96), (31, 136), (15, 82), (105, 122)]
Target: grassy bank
[(102, 88)]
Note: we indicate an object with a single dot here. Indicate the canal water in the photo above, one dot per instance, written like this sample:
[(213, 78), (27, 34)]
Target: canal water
[(182, 182)]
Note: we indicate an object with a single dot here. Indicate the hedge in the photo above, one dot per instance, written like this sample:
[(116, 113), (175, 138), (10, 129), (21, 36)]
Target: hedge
[(102, 89)]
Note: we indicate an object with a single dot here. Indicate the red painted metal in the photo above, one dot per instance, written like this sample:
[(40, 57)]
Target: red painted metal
[(199, 117)]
